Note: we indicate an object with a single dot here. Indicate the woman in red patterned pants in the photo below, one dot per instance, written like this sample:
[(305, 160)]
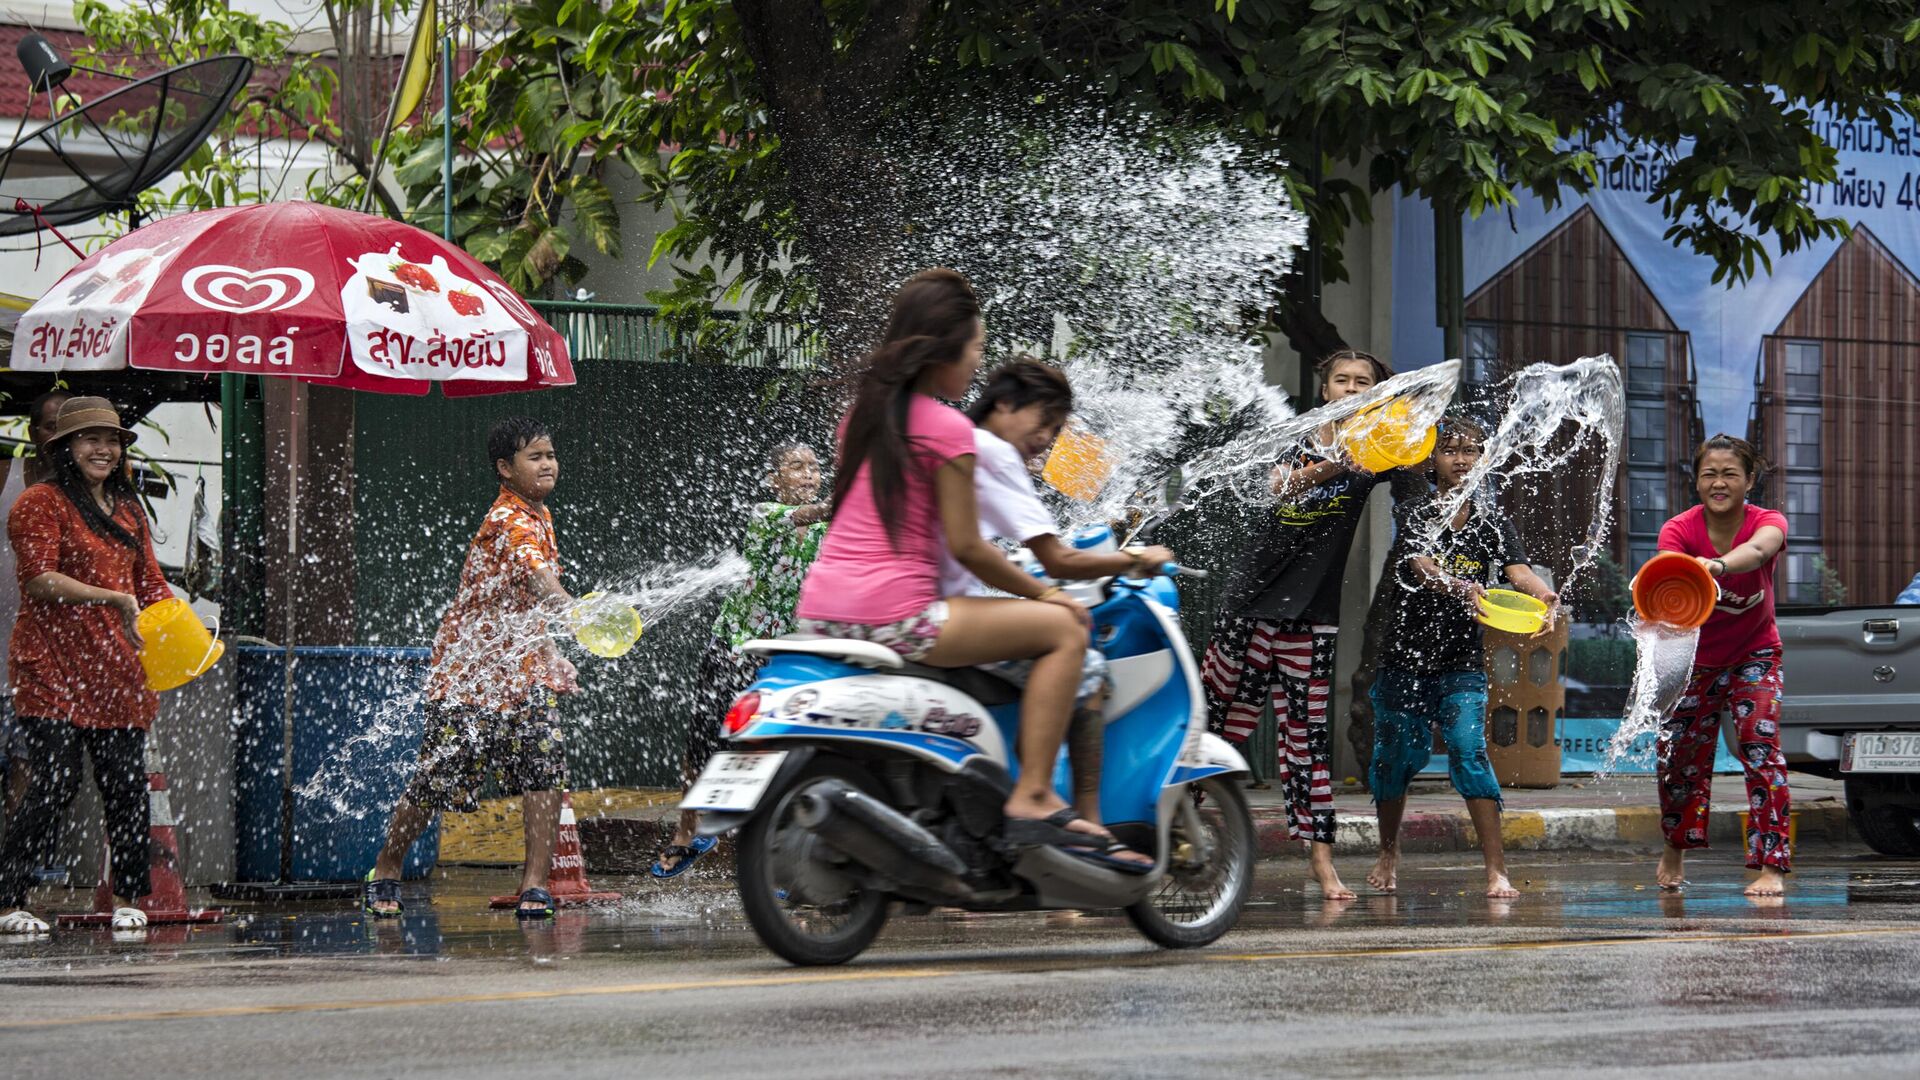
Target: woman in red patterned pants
[(1736, 670)]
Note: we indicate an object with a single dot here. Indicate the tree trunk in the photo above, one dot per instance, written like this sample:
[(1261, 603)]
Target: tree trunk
[(826, 111)]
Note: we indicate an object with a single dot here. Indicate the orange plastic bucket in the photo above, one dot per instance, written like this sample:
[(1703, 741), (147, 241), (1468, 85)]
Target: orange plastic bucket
[(1079, 466), (178, 649), (1674, 590), (1384, 436)]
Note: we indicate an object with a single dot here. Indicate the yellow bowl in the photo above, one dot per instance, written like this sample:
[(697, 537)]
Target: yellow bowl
[(1383, 437), (1514, 612)]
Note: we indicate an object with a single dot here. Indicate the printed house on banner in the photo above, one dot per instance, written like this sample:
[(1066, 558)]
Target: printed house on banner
[(1575, 293), (1833, 410)]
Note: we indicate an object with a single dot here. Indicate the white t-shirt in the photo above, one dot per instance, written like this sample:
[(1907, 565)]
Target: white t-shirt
[(1010, 508)]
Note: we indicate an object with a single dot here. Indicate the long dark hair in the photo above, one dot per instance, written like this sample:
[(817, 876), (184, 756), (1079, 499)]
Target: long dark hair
[(73, 483), (934, 317)]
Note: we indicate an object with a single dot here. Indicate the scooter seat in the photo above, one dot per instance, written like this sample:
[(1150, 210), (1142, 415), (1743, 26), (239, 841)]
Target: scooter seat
[(989, 690), (864, 654)]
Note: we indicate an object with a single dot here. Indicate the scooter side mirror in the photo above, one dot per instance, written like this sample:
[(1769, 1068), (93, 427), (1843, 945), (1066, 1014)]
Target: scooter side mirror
[(1173, 491)]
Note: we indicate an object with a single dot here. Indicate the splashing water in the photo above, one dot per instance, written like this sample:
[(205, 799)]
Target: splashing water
[(1663, 661), (353, 780), (1555, 414)]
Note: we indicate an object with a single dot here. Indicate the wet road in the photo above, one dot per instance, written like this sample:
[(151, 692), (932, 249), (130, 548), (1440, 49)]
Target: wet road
[(1591, 972)]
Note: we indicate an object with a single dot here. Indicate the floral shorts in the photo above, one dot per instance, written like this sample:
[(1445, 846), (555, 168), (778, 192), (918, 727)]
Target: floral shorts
[(521, 750), (912, 637)]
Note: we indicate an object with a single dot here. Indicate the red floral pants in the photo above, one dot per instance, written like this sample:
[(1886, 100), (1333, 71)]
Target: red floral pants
[(1750, 692)]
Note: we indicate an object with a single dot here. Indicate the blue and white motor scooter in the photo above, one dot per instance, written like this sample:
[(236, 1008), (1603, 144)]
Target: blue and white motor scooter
[(856, 779)]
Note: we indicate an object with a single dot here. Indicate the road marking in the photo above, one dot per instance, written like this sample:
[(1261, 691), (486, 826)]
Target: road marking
[(804, 978)]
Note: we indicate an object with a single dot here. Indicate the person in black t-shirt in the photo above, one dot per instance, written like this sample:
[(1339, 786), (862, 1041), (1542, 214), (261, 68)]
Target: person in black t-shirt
[(1432, 663), (1279, 619)]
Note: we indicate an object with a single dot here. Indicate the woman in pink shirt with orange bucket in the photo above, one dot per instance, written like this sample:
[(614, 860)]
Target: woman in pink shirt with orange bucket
[(903, 492), (1736, 669)]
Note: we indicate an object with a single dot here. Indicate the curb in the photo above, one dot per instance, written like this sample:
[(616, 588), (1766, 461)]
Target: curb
[(628, 845), (1819, 824)]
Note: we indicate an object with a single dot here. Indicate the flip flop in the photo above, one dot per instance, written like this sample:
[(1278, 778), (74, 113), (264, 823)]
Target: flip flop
[(538, 896), (22, 923), (129, 918), (684, 856), (1052, 831), (381, 891), (1107, 857)]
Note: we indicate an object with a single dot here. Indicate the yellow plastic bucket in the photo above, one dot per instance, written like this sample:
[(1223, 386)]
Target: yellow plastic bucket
[(1382, 437), (1514, 612), (1079, 466), (606, 630), (178, 649)]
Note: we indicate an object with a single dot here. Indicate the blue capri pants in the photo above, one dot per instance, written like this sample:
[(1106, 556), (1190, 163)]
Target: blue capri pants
[(1406, 709)]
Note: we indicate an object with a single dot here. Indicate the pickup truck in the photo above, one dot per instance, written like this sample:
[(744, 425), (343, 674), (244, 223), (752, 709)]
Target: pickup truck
[(1852, 710)]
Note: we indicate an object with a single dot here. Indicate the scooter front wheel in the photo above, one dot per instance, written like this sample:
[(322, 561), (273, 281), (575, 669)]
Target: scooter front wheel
[(1208, 875), (803, 901)]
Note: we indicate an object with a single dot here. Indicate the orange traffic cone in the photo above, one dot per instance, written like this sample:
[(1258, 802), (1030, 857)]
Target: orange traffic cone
[(167, 903), (567, 880)]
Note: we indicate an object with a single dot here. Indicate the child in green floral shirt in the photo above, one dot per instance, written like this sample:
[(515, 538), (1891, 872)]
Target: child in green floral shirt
[(782, 539)]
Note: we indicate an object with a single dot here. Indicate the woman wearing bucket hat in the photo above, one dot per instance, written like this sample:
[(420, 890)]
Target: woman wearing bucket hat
[(85, 560)]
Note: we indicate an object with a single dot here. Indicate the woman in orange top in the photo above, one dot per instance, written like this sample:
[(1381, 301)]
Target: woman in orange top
[(84, 555)]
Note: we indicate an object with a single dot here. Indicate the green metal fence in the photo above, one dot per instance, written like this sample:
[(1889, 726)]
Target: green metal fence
[(639, 332)]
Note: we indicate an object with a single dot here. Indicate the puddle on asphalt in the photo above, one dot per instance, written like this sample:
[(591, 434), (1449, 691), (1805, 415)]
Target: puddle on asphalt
[(450, 919)]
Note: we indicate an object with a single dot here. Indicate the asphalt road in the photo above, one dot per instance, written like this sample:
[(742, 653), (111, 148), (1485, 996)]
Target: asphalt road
[(1592, 972)]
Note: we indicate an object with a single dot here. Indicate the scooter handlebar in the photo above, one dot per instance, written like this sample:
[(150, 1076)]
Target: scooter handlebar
[(1176, 570)]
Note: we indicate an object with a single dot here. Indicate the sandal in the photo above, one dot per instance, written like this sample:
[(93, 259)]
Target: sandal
[(683, 855), (1109, 857), (129, 918), (535, 895), (22, 922), (381, 891), (1052, 831)]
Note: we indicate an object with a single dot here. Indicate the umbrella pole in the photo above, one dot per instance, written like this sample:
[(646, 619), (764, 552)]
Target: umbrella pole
[(288, 592)]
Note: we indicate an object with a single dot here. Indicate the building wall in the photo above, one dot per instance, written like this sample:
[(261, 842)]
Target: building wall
[(1576, 294), (1833, 413)]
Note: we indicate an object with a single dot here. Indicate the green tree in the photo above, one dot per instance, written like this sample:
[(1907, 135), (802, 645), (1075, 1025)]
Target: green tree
[(291, 97), (778, 122)]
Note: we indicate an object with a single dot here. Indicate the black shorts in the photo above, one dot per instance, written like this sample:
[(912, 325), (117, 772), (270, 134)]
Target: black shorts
[(724, 675), (464, 747)]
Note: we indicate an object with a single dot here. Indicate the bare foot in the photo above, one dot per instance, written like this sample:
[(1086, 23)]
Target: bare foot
[(1771, 882), (1320, 865), (1384, 875), (1039, 809), (1498, 887), (1672, 873)]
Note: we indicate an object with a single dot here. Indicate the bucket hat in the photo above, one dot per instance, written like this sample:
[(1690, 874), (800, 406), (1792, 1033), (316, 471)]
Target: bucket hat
[(83, 413)]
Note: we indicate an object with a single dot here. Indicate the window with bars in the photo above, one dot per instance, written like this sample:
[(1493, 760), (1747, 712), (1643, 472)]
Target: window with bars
[(1647, 434), (1803, 577), (1647, 504), (1803, 506), (1803, 438), (1803, 370), (1482, 345), (1647, 364)]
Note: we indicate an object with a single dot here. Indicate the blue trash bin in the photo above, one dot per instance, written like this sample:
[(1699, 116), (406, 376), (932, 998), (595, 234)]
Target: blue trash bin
[(356, 714)]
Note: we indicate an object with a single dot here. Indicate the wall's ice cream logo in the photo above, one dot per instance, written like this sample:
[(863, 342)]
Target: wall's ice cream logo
[(510, 300), (240, 292), (418, 320)]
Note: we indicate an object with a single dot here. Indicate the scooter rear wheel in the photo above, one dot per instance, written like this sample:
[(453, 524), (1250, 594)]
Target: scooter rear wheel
[(802, 905), (1200, 899)]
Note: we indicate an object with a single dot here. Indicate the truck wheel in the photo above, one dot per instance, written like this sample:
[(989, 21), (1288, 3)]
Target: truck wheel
[(1886, 810)]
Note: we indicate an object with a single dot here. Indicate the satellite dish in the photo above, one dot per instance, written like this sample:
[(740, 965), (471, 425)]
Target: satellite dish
[(97, 158)]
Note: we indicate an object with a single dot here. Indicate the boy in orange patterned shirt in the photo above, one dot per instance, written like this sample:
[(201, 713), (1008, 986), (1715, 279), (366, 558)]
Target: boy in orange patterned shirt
[(491, 698)]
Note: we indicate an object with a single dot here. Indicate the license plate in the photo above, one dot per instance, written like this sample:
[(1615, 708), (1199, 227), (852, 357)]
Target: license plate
[(1881, 751), (734, 780)]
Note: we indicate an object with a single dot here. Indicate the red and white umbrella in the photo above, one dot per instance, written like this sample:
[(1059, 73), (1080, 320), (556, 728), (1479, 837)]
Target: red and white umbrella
[(294, 289)]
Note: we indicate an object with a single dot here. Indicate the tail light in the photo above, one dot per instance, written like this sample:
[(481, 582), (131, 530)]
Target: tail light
[(742, 712)]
